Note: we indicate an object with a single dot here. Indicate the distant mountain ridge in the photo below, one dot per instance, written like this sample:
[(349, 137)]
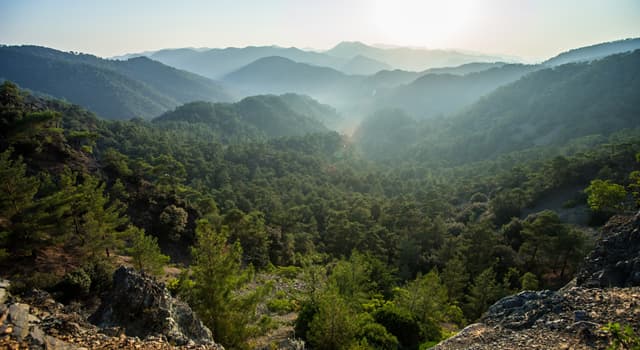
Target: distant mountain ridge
[(410, 59), (139, 87), (592, 52), (347, 57)]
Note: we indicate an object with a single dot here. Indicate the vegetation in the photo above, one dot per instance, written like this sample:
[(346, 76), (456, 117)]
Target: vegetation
[(386, 252)]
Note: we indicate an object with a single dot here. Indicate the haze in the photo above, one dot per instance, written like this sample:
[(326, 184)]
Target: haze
[(532, 30)]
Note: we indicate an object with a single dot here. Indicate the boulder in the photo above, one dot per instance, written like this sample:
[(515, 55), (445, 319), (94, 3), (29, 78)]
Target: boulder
[(615, 261), (523, 309), (144, 308)]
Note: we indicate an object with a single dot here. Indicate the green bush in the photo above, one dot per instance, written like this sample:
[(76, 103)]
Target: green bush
[(375, 335), (74, 285), (401, 324), (289, 272), (280, 305), (305, 316)]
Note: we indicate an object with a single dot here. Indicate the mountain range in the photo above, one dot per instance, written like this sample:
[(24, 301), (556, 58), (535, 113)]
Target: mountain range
[(352, 58), (139, 87)]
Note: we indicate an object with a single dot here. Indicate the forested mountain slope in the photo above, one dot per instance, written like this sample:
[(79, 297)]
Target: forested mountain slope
[(589, 53), (253, 118), (138, 87), (549, 107)]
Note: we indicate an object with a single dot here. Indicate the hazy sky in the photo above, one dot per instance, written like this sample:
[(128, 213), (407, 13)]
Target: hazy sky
[(532, 29)]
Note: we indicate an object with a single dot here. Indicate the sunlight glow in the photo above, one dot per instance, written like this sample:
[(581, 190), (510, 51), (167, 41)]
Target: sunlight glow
[(422, 22)]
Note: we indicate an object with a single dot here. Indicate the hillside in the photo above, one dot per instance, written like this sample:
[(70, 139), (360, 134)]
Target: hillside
[(550, 107), (276, 75), (138, 87), (252, 118), (362, 65), (589, 53), (435, 94)]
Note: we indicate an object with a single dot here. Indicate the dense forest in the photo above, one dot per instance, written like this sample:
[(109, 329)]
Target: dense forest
[(395, 237)]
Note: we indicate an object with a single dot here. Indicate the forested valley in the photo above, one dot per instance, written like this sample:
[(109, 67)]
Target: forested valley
[(393, 237)]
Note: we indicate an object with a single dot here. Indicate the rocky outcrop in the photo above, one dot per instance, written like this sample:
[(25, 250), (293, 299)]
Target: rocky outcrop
[(524, 309), (567, 319), (142, 307), (615, 261), (36, 321), (573, 317)]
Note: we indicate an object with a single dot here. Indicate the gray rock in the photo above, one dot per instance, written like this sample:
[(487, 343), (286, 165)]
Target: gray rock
[(615, 261), (19, 317), (523, 309), (580, 315), (40, 339), (143, 307)]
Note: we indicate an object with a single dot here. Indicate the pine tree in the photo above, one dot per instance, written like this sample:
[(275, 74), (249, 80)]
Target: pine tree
[(145, 252), (455, 278), (483, 292), (216, 275)]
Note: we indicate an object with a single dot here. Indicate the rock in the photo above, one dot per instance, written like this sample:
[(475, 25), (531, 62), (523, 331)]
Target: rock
[(524, 309), (40, 339), (580, 315), (143, 307), (19, 317), (4, 290), (615, 261)]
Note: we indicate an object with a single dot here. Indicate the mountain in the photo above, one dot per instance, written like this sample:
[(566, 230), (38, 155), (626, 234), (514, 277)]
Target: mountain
[(252, 118), (409, 58), (363, 65), (593, 52), (138, 87), (547, 107), (216, 63), (393, 78), (466, 68), (385, 133), (276, 75), (434, 95)]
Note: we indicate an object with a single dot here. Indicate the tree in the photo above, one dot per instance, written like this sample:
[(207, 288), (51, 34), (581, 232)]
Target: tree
[(603, 195), (482, 293), (174, 219), (529, 281), (101, 222), (217, 275), (145, 252), (455, 277), (16, 196), (333, 326)]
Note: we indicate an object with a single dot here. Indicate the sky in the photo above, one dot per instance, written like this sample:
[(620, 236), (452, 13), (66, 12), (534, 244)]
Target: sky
[(529, 29)]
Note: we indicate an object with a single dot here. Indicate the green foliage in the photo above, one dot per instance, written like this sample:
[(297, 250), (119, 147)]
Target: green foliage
[(483, 292), (281, 306), (333, 326), (75, 284), (374, 334), (622, 337), (305, 315), (605, 196), (145, 252), (174, 220), (401, 324), (529, 281), (217, 275)]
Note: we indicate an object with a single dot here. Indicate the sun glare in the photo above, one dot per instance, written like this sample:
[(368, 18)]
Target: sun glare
[(421, 22)]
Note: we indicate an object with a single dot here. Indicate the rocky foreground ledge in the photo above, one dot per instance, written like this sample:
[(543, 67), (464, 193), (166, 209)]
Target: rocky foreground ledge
[(607, 289), (138, 313)]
